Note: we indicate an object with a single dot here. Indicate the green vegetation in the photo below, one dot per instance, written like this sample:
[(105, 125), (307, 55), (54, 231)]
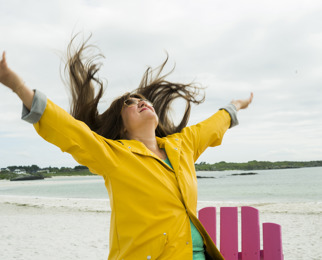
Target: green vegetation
[(11, 171), (8, 175), (255, 165)]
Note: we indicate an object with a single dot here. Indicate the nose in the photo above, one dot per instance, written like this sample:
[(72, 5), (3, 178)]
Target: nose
[(142, 103)]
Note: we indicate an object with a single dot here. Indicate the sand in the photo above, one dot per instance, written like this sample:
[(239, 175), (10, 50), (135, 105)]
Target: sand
[(52, 228), (47, 231)]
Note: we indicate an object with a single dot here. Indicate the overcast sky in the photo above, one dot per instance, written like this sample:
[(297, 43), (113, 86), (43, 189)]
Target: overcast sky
[(272, 48)]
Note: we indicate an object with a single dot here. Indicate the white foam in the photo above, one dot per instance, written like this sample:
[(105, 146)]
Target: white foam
[(80, 204)]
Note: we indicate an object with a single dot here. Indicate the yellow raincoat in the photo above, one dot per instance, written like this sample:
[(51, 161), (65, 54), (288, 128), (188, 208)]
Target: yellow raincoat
[(151, 203)]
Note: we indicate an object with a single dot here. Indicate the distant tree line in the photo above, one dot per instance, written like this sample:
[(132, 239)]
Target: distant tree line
[(255, 165), (34, 170)]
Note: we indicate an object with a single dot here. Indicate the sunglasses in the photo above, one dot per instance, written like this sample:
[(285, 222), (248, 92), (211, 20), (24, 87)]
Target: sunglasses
[(134, 102)]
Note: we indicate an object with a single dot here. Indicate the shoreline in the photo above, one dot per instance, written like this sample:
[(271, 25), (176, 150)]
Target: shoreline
[(102, 204), (76, 204)]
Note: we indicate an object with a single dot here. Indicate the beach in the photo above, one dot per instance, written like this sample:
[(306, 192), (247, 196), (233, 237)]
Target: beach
[(47, 228), (71, 227), (41, 229)]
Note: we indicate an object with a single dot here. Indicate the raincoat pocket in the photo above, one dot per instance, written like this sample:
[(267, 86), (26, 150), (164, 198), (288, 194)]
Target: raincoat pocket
[(156, 247)]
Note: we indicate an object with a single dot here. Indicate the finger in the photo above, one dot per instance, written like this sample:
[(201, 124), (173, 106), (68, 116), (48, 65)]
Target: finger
[(251, 97), (4, 60), (3, 56)]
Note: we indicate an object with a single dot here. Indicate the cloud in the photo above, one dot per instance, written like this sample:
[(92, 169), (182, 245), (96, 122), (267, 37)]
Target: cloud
[(271, 48)]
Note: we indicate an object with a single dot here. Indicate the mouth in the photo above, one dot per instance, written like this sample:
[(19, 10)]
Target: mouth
[(145, 108)]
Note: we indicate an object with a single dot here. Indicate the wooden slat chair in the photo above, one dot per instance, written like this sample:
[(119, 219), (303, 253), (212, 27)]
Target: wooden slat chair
[(250, 237)]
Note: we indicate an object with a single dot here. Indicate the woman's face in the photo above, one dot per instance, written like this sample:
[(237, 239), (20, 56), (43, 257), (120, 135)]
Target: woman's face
[(137, 114)]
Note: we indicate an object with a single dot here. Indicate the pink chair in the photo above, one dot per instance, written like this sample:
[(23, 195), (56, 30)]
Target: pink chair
[(250, 234)]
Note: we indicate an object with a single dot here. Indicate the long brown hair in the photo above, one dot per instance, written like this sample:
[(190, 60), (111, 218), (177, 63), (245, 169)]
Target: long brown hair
[(87, 90)]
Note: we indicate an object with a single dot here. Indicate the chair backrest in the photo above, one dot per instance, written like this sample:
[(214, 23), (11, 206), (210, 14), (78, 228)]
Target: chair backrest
[(229, 232), (272, 241), (250, 234), (208, 218)]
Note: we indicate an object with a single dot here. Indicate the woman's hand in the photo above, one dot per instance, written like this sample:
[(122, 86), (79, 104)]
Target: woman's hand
[(242, 103), (4, 70), (15, 83), (8, 77)]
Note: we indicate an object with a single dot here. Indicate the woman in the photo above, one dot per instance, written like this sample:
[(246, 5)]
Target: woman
[(146, 161)]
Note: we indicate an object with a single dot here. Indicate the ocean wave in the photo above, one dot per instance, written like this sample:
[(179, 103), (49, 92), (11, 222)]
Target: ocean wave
[(78, 204)]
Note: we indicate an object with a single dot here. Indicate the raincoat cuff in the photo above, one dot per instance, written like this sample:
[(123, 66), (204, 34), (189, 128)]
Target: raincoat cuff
[(38, 106), (231, 109)]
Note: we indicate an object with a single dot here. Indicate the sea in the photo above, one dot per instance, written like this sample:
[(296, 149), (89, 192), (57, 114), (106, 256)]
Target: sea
[(260, 186)]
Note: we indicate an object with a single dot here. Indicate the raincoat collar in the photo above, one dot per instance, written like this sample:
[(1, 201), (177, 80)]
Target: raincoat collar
[(172, 146)]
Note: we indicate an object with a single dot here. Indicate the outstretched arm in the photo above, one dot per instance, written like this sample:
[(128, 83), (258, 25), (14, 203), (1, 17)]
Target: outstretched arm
[(210, 132), (58, 127), (10, 79)]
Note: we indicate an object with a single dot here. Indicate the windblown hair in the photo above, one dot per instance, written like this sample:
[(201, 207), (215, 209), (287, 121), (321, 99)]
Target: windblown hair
[(87, 89)]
